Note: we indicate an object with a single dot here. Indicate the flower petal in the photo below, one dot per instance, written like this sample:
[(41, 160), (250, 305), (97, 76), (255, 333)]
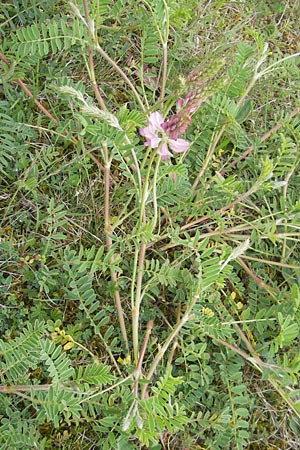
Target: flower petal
[(163, 151), (155, 121), (178, 146), (147, 132), (154, 142)]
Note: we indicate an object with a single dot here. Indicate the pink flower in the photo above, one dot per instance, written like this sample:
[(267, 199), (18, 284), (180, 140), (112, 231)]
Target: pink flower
[(158, 138)]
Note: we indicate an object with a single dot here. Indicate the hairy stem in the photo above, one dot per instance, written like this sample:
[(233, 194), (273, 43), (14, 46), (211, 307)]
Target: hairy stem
[(154, 193), (165, 52), (138, 299), (164, 72), (91, 60), (137, 273)]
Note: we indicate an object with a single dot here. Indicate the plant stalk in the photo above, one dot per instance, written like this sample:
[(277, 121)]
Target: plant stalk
[(113, 274), (91, 60), (137, 273)]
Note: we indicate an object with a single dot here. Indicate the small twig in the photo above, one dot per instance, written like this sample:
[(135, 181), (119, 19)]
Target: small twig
[(270, 262), (24, 388), (143, 347), (245, 340), (164, 72), (257, 280), (90, 154), (255, 360), (262, 139), (235, 349), (161, 352), (29, 93), (175, 343), (172, 336), (241, 198), (165, 52), (99, 393), (122, 73)]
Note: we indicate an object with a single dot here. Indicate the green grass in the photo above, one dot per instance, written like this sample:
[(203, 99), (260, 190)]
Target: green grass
[(148, 304)]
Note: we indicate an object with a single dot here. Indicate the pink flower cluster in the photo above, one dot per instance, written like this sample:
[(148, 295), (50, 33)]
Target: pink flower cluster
[(158, 138), (177, 124), (162, 134)]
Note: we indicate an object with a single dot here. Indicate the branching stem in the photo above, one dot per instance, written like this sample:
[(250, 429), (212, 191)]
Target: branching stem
[(137, 273), (138, 369)]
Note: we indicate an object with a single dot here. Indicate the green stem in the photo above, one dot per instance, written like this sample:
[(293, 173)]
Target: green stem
[(164, 72), (145, 191), (113, 274), (137, 273), (118, 69), (124, 380), (138, 369), (165, 53), (91, 68), (154, 193), (138, 300)]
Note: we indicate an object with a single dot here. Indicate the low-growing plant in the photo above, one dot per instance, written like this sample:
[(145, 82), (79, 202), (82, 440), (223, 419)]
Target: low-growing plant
[(149, 236)]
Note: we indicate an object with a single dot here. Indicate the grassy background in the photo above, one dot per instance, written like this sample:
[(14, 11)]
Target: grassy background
[(52, 196)]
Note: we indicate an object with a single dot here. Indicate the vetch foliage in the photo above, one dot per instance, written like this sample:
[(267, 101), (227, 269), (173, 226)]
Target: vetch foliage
[(149, 239)]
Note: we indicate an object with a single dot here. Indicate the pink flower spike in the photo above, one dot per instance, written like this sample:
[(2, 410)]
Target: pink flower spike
[(174, 135), (179, 103), (159, 134), (179, 146)]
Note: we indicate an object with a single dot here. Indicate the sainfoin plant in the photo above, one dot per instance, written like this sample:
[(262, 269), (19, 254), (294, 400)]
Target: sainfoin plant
[(156, 279)]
